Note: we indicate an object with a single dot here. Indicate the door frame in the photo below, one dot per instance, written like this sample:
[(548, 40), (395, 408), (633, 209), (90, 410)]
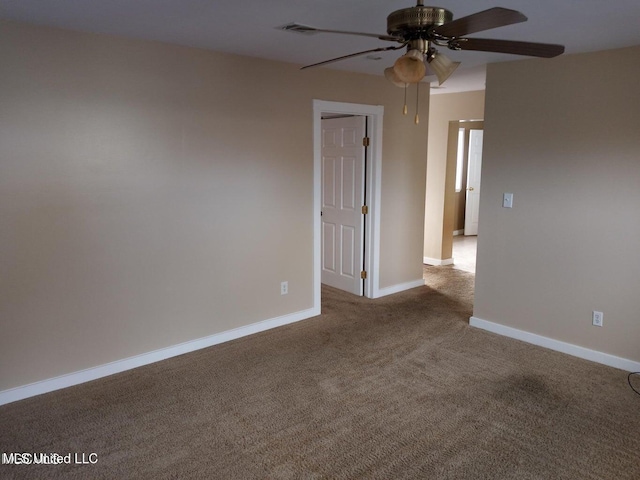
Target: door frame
[(374, 114), (448, 222)]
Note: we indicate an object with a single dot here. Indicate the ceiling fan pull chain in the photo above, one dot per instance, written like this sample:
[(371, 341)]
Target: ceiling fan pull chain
[(405, 110), (417, 102)]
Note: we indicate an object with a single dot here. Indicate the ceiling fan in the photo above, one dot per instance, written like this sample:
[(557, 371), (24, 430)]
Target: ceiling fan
[(421, 28)]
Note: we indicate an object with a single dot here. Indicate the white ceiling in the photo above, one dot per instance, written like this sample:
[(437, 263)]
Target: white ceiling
[(249, 27)]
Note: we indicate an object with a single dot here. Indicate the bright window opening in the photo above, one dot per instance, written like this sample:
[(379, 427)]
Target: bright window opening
[(460, 160)]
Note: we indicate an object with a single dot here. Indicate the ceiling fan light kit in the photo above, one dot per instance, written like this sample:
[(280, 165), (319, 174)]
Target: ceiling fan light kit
[(441, 65), (390, 74), (421, 28), (410, 67)]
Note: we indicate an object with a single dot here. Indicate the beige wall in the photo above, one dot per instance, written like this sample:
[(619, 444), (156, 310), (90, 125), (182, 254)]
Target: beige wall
[(440, 191), (153, 194), (562, 136)]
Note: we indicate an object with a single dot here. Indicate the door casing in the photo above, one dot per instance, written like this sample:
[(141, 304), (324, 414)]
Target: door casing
[(374, 114), (449, 225)]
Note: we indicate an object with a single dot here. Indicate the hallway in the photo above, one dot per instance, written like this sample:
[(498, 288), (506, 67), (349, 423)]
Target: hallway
[(464, 253)]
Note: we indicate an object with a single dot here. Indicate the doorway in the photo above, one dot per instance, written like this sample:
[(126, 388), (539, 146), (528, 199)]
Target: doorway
[(372, 179), (467, 135)]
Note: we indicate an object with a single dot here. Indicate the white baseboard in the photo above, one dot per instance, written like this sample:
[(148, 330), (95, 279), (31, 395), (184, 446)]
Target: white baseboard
[(437, 261), (458, 232), (557, 345), (383, 292), (82, 376)]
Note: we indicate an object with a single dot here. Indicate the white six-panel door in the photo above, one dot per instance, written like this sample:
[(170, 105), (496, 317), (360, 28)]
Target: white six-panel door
[(472, 208), (342, 200)]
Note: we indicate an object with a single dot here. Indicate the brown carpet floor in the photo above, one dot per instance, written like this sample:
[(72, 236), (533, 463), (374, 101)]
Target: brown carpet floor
[(394, 388)]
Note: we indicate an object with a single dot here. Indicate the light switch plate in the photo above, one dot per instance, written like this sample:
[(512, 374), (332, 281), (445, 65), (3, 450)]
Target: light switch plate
[(507, 200)]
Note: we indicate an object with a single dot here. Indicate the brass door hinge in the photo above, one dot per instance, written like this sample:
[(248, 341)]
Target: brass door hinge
[(365, 209), (363, 274), (365, 142)]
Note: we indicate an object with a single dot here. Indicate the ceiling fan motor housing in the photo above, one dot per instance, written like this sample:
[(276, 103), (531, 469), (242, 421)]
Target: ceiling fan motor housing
[(415, 22)]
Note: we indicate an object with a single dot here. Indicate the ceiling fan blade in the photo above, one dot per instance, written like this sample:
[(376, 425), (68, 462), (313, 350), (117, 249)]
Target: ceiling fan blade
[(544, 50), (388, 38), (344, 57), (478, 22), (306, 29)]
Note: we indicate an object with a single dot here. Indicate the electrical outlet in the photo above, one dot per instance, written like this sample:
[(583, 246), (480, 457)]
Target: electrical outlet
[(597, 318), (284, 288)]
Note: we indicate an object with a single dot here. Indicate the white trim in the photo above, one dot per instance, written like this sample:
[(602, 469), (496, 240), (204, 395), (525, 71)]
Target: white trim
[(82, 376), (437, 262), (401, 287), (458, 232), (374, 113), (557, 345)]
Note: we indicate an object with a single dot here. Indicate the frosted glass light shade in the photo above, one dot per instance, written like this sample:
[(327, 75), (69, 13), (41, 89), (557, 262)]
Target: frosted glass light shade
[(390, 75), (441, 65), (410, 67)]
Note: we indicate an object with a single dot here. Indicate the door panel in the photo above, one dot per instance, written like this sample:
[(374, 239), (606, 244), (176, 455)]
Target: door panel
[(349, 191), (349, 251), (342, 198), (328, 251), (328, 182)]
